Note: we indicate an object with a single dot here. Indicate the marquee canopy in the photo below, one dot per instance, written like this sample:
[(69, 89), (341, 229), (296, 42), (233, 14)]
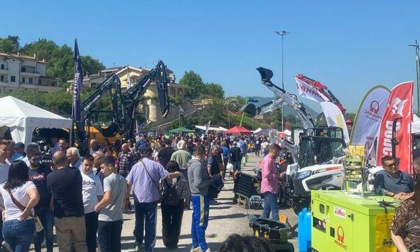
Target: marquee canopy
[(23, 118)]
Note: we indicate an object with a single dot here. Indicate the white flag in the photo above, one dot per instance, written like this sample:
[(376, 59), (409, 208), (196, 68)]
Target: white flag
[(208, 126), (335, 118), (307, 91)]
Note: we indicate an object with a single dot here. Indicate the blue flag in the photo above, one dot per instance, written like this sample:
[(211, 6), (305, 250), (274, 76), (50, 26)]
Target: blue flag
[(78, 82)]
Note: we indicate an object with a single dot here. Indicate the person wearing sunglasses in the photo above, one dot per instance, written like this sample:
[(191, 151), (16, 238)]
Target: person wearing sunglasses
[(391, 181)]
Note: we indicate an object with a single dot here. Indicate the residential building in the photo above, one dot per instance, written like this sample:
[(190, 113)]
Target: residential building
[(20, 72)]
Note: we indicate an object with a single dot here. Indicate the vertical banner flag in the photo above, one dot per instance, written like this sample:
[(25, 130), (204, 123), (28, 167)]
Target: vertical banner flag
[(78, 82), (335, 117), (207, 127), (399, 108), (368, 119)]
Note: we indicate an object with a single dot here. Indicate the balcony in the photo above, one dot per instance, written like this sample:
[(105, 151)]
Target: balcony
[(4, 71), (29, 73)]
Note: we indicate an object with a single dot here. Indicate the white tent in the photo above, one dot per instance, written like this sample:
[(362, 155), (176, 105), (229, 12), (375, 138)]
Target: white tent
[(210, 128), (415, 125), (257, 130), (23, 118)]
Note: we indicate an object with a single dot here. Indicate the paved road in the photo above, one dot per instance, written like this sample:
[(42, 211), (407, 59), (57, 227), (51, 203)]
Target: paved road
[(225, 218)]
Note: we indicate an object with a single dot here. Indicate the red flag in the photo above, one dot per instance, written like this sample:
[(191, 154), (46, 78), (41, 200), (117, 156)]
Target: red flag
[(399, 111)]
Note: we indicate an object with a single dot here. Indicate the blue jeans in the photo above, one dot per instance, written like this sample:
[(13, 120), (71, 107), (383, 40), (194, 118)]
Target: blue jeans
[(47, 219), (145, 212), (200, 220), (109, 235), (19, 234), (270, 204)]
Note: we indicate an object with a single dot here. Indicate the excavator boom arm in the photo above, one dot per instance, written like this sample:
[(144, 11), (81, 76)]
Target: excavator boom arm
[(284, 99)]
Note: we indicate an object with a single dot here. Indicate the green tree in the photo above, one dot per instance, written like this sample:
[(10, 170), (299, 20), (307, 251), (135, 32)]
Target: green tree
[(43, 49), (212, 90), (91, 65), (233, 104), (61, 64), (194, 81), (15, 41), (7, 46)]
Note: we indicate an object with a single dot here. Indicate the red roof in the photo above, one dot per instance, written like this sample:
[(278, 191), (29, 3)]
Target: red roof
[(238, 130)]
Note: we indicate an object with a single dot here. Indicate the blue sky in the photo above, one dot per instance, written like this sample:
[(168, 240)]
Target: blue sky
[(350, 46)]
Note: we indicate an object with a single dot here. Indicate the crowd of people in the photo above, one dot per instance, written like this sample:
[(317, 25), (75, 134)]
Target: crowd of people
[(84, 195)]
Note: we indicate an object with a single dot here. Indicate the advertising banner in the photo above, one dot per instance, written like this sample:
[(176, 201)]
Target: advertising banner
[(368, 119), (307, 91), (335, 117), (395, 130)]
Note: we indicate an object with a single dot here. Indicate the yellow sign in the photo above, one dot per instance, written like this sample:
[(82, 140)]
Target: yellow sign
[(383, 241)]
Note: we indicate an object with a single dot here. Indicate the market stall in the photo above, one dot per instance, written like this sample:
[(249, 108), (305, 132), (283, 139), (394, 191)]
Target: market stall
[(23, 118)]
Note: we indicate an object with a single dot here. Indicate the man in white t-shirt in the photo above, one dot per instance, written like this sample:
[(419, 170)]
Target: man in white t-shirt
[(5, 150), (92, 193)]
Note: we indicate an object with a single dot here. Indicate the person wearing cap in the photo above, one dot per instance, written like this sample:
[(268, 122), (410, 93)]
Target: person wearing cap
[(144, 179), (20, 148), (16, 155)]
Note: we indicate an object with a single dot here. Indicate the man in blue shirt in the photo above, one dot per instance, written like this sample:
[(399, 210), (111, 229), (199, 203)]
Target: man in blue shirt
[(391, 181)]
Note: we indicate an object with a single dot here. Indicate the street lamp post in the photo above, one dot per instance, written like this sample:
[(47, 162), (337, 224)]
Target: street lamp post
[(282, 33), (416, 46)]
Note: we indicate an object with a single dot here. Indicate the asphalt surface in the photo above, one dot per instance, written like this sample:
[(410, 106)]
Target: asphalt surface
[(226, 218)]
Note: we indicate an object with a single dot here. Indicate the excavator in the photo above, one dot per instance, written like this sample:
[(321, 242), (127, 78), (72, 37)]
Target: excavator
[(319, 153), (118, 115)]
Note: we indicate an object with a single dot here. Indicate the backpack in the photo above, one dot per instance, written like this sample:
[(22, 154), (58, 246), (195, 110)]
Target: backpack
[(170, 194)]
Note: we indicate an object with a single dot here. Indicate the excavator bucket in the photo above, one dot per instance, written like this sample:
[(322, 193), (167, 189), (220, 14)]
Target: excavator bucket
[(266, 74)]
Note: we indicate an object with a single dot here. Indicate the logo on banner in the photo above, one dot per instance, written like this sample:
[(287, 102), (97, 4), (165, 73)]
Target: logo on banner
[(374, 107), (398, 106), (373, 111)]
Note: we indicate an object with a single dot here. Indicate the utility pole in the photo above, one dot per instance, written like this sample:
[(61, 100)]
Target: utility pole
[(416, 46), (282, 34)]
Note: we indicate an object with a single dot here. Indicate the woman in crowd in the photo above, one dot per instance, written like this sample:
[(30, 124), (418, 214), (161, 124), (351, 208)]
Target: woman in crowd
[(172, 214), (20, 196), (405, 229)]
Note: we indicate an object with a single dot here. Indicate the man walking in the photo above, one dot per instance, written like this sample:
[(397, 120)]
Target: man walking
[(199, 182), (235, 157), (111, 207), (65, 185), (270, 182), (144, 179)]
